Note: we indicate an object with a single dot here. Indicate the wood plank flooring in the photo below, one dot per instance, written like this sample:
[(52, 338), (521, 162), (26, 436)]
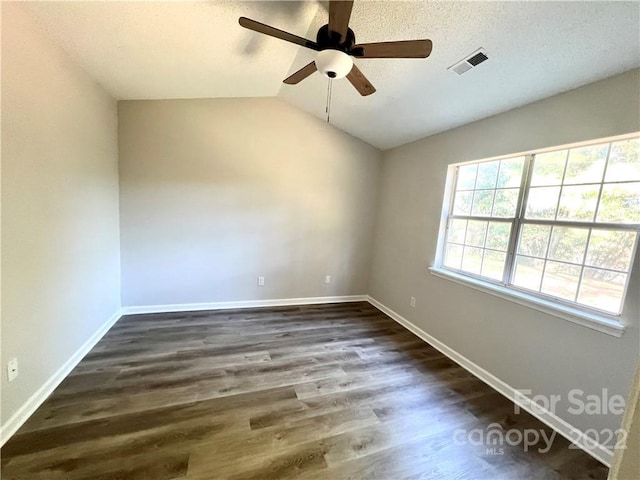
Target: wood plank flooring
[(314, 392)]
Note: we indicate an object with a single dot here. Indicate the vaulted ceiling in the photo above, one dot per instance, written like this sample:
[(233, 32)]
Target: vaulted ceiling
[(151, 50)]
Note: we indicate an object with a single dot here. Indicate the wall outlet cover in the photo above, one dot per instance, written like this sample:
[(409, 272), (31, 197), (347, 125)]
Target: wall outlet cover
[(12, 369)]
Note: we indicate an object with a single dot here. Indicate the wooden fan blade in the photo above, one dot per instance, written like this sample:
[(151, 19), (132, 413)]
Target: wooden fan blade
[(339, 14), (360, 82), (301, 74), (401, 49), (277, 33)]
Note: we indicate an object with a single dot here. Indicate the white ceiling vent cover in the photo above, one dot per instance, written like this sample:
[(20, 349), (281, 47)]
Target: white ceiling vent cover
[(472, 60)]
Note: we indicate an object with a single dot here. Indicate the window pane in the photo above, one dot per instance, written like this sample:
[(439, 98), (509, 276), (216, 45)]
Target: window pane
[(466, 177), (542, 202), (548, 168), (620, 203), (528, 273), (498, 235), (602, 289), (457, 230), (568, 244), (611, 249), (534, 240), (476, 231), (462, 203), (561, 280), (472, 260), (510, 172), (505, 203), (586, 164), (482, 202), (493, 264), (453, 257), (578, 202), (487, 175), (624, 161)]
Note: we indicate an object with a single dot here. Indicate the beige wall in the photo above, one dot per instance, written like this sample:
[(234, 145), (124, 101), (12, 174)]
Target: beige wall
[(523, 347), (60, 250), (216, 192)]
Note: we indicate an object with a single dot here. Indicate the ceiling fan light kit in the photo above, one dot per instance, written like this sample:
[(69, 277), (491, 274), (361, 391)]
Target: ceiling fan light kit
[(336, 46), (333, 63)]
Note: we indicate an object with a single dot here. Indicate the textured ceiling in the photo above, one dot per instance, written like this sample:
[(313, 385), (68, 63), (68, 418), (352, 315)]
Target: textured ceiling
[(142, 50), (148, 49)]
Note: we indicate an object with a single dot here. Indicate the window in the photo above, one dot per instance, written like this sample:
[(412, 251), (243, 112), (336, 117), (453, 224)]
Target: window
[(561, 225)]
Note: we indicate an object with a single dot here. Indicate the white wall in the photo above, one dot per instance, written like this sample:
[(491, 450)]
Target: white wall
[(523, 347), (216, 192), (60, 250)]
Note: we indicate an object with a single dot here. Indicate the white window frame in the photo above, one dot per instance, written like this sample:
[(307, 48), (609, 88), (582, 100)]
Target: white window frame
[(584, 315)]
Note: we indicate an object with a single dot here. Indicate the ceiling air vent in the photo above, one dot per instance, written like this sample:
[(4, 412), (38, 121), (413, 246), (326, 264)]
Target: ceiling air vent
[(472, 60)]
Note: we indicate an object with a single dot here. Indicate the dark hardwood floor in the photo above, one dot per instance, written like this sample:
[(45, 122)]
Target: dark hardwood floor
[(314, 392)]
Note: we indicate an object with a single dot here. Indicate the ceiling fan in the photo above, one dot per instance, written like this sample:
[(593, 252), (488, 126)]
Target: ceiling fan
[(336, 45)]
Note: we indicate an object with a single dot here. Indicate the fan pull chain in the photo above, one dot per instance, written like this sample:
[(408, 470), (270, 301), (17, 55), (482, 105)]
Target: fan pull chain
[(328, 109)]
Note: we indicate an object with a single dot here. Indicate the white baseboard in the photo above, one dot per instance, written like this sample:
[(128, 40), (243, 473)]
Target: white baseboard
[(574, 435), (31, 405), (279, 302)]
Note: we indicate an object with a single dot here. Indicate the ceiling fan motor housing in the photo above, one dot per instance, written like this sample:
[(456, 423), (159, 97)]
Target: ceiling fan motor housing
[(328, 39)]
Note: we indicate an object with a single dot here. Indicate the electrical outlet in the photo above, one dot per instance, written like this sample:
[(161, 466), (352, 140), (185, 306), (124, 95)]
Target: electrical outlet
[(260, 281), (412, 302), (12, 369), (327, 279)]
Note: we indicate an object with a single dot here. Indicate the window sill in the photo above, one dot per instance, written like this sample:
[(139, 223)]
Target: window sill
[(594, 321)]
